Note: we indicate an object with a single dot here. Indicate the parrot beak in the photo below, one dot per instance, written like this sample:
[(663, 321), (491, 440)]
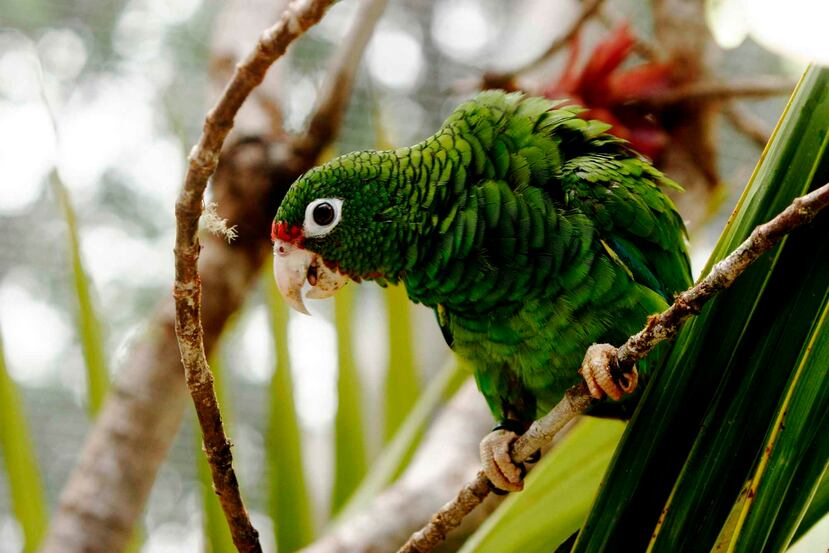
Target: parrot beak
[(293, 266)]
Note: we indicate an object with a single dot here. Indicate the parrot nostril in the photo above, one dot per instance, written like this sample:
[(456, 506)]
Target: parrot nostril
[(312, 275)]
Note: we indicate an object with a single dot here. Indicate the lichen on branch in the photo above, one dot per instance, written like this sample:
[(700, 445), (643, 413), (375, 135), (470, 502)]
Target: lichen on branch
[(202, 162)]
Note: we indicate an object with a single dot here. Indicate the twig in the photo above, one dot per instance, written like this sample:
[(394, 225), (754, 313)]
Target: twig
[(712, 90), (296, 19), (588, 10), (690, 302), (575, 402), (645, 48), (747, 123), (108, 487), (330, 108), (659, 328), (744, 121)]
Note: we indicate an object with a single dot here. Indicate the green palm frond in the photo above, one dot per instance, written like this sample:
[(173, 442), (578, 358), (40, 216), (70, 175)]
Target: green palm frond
[(27, 493), (741, 401)]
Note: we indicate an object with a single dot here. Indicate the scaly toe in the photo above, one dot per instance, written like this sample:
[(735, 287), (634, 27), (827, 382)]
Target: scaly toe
[(597, 371), (608, 384), (629, 381), (497, 463)]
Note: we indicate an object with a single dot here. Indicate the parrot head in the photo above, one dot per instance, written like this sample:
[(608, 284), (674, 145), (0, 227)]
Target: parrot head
[(335, 224)]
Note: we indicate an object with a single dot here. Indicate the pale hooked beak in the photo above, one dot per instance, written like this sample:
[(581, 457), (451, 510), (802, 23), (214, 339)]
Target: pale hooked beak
[(293, 266)]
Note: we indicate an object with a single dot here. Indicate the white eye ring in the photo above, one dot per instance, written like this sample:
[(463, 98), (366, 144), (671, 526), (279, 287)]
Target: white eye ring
[(312, 226)]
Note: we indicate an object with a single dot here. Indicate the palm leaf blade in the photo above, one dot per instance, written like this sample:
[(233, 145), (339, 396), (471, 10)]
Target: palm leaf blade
[(664, 462), (92, 341), (290, 504), (27, 494)]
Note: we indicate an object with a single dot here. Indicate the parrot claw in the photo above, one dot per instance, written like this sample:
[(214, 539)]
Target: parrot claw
[(504, 474), (598, 370)]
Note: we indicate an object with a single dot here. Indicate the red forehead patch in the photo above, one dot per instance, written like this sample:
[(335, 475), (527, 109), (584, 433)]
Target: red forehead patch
[(288, 233)]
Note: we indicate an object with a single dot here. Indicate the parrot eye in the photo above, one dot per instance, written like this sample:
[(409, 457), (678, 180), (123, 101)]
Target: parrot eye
[(322, 215)]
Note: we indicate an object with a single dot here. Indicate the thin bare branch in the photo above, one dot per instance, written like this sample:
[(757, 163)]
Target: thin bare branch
[(666, 325), (330, 107), (107, 489), (588, 10), (747, 123), (659, 328), (643, 47), (743, 120), (296, 19), (715, 90), (575, 402)]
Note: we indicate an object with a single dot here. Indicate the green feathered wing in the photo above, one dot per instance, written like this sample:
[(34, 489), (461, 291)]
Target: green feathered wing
[(532, 232), (560, 236)]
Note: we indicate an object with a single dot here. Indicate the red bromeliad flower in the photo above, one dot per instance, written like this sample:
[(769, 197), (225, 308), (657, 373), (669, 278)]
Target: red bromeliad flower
[(609, 94)]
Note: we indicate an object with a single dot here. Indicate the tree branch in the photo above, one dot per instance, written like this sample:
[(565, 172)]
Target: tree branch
[(715, 90), (330, 107), (498, 80), (611, 20), (296, 19), (659, 328), (747, 123), (108, 487)]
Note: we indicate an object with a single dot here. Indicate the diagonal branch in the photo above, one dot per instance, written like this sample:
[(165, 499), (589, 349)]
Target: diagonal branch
[(109, 485), (498, 80), (296, 19), (659, 328), (446, 458), (747, 123), (330, 108), (645, 48), (715, 90)]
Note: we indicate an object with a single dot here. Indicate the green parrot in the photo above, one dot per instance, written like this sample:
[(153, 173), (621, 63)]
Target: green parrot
[(531, 232)]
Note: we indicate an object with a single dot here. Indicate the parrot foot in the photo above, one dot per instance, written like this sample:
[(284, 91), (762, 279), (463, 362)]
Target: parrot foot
[(600, 370), (504, 475)]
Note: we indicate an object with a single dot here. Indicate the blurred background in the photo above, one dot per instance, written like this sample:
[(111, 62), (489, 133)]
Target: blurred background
[(100, 102)]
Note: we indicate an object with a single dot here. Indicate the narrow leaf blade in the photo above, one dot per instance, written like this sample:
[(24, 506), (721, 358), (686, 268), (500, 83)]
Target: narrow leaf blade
[(795, 451), (402, 383), (692, 382), (27, 493), (349, 447), (290, 504), (399, 451), (88, 322)]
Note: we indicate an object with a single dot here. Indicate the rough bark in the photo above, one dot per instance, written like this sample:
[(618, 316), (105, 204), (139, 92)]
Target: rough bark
[(686, 44), (297, 18), (108, 488)]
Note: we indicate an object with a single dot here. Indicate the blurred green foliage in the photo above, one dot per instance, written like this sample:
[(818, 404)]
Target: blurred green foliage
[(87, 321), (559, 489), (710, 420), (289, 502), (27, 494)]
